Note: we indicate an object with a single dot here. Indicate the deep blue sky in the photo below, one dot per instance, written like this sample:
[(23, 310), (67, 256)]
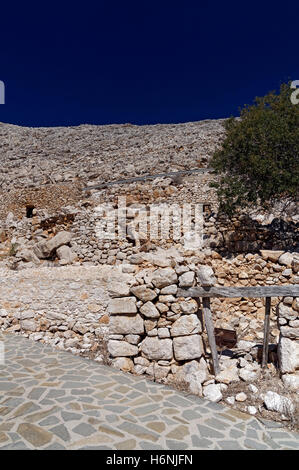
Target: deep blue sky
[(68, 63)]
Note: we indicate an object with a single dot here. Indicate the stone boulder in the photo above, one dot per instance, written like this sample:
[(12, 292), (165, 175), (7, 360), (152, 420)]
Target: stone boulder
[(157, 349), (164, 277), (206, 277), (44, 249), (186, 325), (126, 325), (187, 347), (122, 305), (121, 348)]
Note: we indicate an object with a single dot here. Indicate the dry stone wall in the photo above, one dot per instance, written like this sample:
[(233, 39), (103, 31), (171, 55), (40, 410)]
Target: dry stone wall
[(288, 346)]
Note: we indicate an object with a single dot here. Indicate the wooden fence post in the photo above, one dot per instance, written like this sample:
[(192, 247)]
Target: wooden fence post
[(211, 335), (266, 332)]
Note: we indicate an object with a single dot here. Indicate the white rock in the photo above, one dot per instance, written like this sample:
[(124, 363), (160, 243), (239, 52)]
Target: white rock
[(248, 375), (206, 276), (251, 410), (230, 400), (286, 259), (126, 324), (163, 333), (291, 381), (155, 348), (66, 254), (144, 293), (186, 325), (288, 355), (123, 363), (241, 396), (189, 306), (213, 392), (28, 325), (187, 347), (228, 375), (172, 289), (3, 312), (186, 279), (252, 388), (164, 277), (275, 402), (118, 289), (122, 305), (149, 310), (287, 312), (121, 348)]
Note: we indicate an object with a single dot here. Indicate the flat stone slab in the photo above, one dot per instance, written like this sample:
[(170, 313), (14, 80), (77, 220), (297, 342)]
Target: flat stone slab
[(52, 400)]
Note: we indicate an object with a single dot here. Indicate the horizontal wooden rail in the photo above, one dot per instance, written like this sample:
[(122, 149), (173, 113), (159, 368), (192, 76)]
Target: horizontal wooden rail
[(236, 292)]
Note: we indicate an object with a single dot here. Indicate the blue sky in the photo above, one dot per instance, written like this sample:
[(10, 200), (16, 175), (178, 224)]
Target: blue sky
[(65, 63)]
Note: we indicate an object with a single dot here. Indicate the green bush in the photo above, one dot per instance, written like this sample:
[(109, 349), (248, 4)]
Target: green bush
[(259, 159)]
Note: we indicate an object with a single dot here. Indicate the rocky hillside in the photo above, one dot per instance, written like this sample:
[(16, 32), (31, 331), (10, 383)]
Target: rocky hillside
[(31, 157)]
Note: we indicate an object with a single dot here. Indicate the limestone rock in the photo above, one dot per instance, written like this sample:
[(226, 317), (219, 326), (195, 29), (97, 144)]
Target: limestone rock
[(288, 355), (291, 381), (275, 402), (187, 347), (122, 305), (123, 363), (149, 310), (118, 289), (144, 293), (186, 279), (155, 348), (28, 325), (248, 375), (189, 306), (186, 325), (164, 277), (65, 254), (121, 348), (213, 392), (241, 396), (126, 324), (206, 276), (44, 249), (228, 375), (286, 259)]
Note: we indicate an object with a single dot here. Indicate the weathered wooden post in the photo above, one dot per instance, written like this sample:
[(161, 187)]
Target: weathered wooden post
[(266, 332), (211, 335), (207, 279)]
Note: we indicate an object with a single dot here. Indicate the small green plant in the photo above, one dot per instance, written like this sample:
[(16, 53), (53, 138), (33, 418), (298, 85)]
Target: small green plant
[(12, 250), (259, 159)]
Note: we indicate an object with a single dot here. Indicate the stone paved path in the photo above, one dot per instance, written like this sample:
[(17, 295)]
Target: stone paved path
[(51, 399)]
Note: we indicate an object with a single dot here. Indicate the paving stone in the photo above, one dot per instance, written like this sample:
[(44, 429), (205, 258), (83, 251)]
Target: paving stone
[(138, 431), (217, 424), (176, 445), (150, 446), (229, 445), (100, 408), (61, 431), (50, 421), (129, 444), (200, 443), (209, 432), (34, 434), (84, 429), (250, 444), (55, 446), (67, 416)]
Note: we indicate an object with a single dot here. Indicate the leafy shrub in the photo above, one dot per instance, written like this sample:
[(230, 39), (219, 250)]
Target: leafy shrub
[(259, 159)]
